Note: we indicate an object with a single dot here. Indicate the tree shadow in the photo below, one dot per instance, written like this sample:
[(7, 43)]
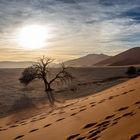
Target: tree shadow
[(22, 103), (22, 108)]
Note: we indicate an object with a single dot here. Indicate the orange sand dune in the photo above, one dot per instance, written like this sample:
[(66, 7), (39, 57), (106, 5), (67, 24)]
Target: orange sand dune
[(129, 57), (109, 115)]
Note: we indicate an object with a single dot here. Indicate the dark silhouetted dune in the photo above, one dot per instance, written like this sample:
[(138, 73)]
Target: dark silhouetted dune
[(86, 61), (129, 57)]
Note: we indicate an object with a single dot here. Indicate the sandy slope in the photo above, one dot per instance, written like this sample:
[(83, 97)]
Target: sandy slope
[(86, 61), (129, 57), (110, 115)]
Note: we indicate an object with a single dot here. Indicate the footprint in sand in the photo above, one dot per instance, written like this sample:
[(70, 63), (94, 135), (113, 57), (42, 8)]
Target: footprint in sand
[(47, 125), (134, 137), (33, 130), (109, 117), (115, 122), (101, 101), (94, 134), (124, 93), (95, 131), (91, 131), (116, 95), (138, 107), (111, 97), (138, 102), (125, 115), (72, 136), (23, 124), (104, 123), (73, 114), (118, 118), (3, 129), (89, 125), (34, 120), (20, 136), (92, 103), (128, 114), (13, 126), (73, 108), (60, 119), (41, 118), (82, 109), (131, 90), (123, 108), (70, 104)]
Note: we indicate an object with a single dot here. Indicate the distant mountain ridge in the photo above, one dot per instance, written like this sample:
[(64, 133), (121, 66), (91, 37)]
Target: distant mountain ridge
[(129, 57), (15, 64), (86, 61)]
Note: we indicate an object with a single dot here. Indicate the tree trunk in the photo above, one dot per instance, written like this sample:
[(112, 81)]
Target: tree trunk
[(49, 90), (49, 93), (50, 97)]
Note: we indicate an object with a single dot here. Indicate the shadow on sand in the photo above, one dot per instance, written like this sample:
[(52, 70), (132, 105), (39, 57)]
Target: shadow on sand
[(22, 108)]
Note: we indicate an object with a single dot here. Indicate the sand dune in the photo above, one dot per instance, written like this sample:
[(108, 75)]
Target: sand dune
[(86, 61), (129, 57), (111, 114)]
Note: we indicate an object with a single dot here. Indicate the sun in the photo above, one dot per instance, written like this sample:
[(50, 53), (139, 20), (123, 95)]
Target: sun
[(32, 37)]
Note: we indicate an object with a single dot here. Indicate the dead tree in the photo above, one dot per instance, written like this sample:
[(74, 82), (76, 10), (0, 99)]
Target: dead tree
[(41, 70)]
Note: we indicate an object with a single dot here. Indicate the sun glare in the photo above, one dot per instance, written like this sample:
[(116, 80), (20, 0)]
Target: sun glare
[(33, 37)]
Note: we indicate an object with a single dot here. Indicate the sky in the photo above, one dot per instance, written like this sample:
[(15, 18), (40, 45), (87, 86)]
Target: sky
[(75, 27)]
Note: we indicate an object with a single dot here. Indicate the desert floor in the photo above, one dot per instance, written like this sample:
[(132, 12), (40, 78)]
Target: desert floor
[(112, 114), (14, 97)]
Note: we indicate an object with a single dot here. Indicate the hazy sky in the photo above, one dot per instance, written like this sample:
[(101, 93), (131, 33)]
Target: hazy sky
[(76, 27)]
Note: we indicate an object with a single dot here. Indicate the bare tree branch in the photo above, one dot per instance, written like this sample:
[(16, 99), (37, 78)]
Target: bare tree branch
[(41, 70), (62, 75)]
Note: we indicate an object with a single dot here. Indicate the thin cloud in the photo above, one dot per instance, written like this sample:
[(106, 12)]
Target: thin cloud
[(80, 24)]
